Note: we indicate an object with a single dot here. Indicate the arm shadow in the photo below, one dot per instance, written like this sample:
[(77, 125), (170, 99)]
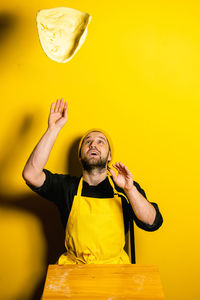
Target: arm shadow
[(45, 211)]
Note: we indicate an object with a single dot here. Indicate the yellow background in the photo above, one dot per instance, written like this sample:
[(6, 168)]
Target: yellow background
[(137, 76)]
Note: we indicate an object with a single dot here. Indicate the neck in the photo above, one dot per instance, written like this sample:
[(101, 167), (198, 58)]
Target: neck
[(94, 177)]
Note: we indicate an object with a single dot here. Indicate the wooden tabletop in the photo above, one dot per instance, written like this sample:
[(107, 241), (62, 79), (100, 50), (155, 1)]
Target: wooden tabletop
[(103, 282)]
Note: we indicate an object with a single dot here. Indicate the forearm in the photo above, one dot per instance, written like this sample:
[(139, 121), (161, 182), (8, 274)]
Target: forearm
[(40, 154), (143, 210)]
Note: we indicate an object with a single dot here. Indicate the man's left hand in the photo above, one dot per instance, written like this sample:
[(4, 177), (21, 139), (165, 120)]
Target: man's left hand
[(124, 178)]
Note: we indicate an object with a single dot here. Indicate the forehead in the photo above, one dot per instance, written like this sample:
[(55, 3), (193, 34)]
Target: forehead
[(95, 134)]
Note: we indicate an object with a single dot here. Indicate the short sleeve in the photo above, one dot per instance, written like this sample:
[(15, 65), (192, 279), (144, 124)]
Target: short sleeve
[(52, 188), (45, 185), (156, 224)]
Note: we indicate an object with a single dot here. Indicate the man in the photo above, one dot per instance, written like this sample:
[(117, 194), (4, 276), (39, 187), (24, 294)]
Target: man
[(96, 208)]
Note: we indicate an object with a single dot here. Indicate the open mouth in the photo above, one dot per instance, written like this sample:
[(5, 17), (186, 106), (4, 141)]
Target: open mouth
[(93, 153)]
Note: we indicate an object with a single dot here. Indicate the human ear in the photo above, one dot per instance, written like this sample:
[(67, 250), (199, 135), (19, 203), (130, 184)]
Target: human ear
[(109, 156)]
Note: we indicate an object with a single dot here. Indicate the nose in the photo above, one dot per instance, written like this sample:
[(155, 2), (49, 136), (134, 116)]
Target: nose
[(93, 144)]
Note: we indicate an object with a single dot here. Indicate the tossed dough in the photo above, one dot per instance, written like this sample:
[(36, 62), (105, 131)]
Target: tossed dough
[(62, 31)]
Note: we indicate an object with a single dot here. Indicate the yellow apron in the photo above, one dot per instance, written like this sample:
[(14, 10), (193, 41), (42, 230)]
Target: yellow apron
[(95, 231)]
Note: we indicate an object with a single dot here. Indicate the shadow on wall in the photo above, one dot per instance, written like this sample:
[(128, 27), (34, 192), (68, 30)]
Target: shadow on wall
[(73, 166), (8, 24), (30, 206)]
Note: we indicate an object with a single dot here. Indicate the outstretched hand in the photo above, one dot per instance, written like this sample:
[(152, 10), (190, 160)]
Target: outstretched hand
[(124, 179), (58, 114)]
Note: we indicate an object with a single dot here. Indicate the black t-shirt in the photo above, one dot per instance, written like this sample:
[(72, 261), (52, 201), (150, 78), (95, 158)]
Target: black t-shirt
[(61, 189)]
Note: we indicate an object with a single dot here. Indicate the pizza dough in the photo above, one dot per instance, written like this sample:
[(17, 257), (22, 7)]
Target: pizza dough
[(62, 31)]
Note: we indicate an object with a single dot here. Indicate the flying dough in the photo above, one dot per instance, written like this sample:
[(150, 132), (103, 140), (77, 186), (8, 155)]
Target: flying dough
[(62, 31)]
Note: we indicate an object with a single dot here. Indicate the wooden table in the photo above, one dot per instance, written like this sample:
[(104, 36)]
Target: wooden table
[(105, 282)]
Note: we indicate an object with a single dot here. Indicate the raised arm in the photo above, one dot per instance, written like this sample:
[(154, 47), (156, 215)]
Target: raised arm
[(143, 209), (33, 170)]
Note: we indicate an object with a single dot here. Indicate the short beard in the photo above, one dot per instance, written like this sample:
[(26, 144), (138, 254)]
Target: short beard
[(99, 165)]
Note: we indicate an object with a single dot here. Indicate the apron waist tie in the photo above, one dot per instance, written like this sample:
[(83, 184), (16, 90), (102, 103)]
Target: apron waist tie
[(90, 258)]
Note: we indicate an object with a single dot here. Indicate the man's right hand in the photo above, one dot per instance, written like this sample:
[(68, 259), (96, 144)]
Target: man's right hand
[(58, 114), (33, 171)]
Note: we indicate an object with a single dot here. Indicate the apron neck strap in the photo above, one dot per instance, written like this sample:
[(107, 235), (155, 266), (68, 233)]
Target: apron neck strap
[(114, 189), (80, 186)]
